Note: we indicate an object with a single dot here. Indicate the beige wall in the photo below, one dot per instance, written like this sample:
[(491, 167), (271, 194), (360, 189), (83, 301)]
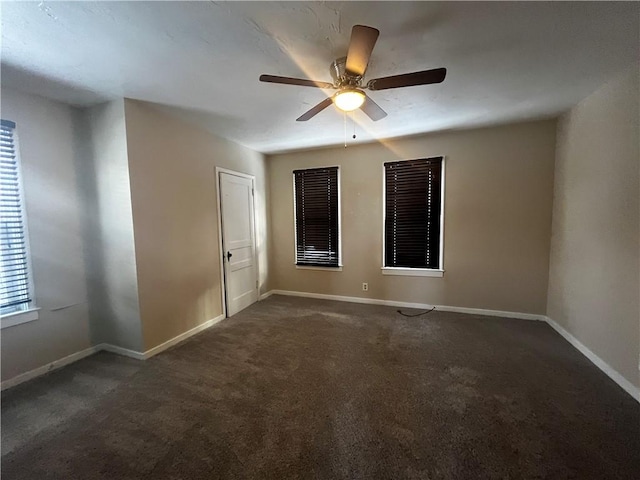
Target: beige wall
[(172, 167), (53, 199), (108, 222), (594, 288), (498, 195)]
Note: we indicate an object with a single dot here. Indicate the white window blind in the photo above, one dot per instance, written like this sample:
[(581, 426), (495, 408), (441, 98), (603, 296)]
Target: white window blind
[(14, 282)]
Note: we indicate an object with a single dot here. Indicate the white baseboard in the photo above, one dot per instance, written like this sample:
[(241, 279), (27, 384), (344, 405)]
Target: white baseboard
[(492, 313), (625, 384), (264, 296), (183, 336), (125, 352), (425, 306), (74, 357), (36, 372)]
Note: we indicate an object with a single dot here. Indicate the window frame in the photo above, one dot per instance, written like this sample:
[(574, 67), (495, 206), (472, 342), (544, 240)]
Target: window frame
[(337, 268), (25, 312), (415, 271)]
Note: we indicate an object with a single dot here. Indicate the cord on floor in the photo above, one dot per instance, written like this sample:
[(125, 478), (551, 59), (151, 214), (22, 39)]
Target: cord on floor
[(417, 314)]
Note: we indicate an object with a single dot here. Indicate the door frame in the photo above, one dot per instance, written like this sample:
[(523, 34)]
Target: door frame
[(223, 283)]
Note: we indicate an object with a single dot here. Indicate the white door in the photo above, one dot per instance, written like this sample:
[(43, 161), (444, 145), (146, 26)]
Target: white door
[(238, 241)]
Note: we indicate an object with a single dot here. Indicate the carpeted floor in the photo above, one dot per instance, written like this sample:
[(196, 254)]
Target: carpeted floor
[(311, 389)]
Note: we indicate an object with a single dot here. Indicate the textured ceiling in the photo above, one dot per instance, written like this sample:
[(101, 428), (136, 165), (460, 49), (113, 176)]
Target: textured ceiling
[(506, 61)]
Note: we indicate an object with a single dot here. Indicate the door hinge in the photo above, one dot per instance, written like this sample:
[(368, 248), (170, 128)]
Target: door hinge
[(256, 283), (253, 192)]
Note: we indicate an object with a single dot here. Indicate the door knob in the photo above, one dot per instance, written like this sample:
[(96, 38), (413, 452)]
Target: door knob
[(229, 255)]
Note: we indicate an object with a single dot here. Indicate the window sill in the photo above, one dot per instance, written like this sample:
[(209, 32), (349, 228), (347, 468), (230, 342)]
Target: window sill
[(17, 318), (327, 269), (413, 272)]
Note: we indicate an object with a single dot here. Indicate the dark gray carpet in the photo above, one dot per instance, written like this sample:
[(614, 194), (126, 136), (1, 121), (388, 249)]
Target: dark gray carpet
[(298, 388)]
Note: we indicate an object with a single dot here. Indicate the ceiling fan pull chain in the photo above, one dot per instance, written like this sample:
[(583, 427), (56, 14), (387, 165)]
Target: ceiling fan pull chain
[(345, 129), (353, 120)]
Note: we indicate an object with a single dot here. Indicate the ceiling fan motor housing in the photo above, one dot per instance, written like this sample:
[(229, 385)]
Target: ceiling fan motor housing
[(342, 78)]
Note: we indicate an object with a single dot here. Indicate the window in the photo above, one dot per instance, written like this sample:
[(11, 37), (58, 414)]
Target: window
[(15, 285), (413, 217), (317, 217)]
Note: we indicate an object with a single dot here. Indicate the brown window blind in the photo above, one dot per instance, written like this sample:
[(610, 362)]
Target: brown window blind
[(412, 213), (316, 196)]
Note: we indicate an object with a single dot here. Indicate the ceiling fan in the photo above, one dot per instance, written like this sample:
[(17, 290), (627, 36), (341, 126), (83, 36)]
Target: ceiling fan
[(348, 74)]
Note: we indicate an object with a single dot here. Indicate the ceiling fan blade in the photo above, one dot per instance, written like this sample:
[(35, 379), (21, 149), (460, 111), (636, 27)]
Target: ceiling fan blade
[(295, 81), (363, 39), (315, 110), (408, 79), (373, 110)]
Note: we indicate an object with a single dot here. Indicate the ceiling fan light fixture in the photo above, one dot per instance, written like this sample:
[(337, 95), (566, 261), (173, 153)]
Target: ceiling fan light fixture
[(348, 100)]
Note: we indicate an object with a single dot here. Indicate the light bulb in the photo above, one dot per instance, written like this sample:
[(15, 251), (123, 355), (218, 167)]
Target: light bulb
[(349, 100)]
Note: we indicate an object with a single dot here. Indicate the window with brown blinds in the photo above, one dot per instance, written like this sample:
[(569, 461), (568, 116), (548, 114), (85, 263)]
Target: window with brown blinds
[(412, 213), (316, 207)]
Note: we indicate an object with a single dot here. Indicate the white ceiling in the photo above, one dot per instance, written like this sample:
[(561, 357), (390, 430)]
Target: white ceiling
[(506, 61)]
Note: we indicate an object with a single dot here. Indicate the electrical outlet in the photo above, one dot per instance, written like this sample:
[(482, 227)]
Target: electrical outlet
[(365, 287)]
